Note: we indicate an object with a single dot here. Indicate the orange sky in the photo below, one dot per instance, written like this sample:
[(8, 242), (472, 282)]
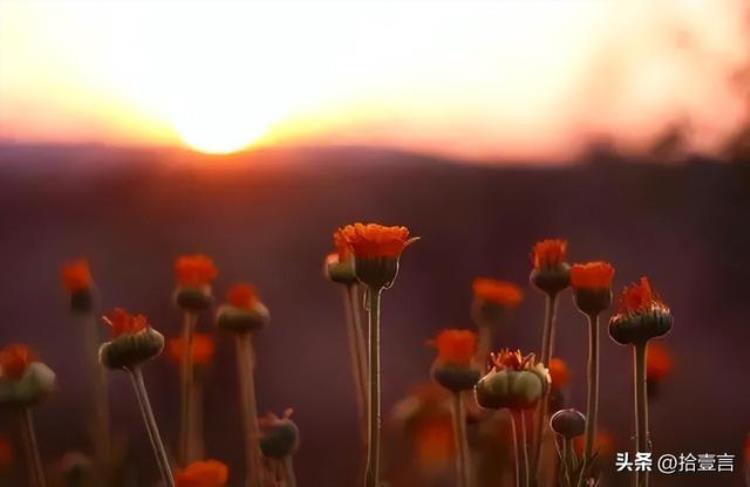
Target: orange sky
[(479, 79)]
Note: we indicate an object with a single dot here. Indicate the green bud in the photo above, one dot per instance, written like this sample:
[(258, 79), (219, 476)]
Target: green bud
[(37, 382), (280, 439), (568, 423), (455, 378), (131, 349), (338, 271), (507, 388), (194, 299)]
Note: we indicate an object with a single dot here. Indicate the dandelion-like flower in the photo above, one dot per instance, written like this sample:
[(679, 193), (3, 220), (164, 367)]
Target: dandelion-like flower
[(133, 341), (493, 298), (641, 315), (207, 473), (550, 273), (376, 249), (243, 310), (454, 368), (592, 285), (194, 275)]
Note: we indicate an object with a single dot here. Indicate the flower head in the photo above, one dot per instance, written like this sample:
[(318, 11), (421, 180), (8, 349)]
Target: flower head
[(514, 381), (549, 253), (14, 360), (243, 296), (592, 276), (123, 323), (203, 348), (559, 373), (208, 473), (502, 293), (371, 241), (76, 275), (340, 243), (456, 347), (641, 314), (434, 443), (195, 270)]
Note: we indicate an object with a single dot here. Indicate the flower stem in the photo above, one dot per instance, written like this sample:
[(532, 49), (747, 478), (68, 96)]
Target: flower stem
[(641, 408), (372, 472), (516, 453), (592, 400), (33, 459), (249, 405), (548, 338), (463, 462), (357, 353), (101, 438), (525, 446), (136, 375), (571, 463), (289, 478), (186, 389)]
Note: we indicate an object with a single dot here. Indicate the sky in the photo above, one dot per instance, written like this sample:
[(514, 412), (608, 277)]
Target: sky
[(474, 79)]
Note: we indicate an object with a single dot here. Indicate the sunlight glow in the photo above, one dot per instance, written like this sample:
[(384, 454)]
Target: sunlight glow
[(473, 78)]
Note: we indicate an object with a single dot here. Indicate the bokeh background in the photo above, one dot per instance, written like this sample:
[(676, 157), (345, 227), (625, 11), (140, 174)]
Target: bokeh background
[(134, 131), (267, 217)]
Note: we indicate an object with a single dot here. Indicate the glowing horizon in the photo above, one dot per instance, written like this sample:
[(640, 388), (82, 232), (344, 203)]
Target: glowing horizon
[(474, 79)]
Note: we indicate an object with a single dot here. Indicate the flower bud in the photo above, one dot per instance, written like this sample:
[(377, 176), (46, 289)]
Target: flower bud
[(134, 341), (455, 378), (244, 312), (550, 274), (339, 270), (194, 274), (514, 382), (36, 383), (641, 315), (592, 285), (568, 423), (130, 350), (280, 436)]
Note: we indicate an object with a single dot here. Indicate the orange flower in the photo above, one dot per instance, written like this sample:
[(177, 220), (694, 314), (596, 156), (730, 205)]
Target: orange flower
[(208, 473), (242, 296), (195, 270), (343, 249), (503, 293), (559, 373), (14, 359), (203, 349), (76, 275), (455, 346), (434, 443), (658, 362), (604, 444), (638, 296), (592, 276), (371, 241), (123, 323), (549, 253), (6, 453)]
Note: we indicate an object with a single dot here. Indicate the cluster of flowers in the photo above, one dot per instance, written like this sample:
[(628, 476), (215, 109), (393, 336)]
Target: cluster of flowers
[(366, 261), (270, 441)]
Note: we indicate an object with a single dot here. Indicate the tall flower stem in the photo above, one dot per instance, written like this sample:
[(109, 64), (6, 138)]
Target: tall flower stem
[(516, 453), (525, 447), (641, 408), (197, 448), (33, 459), (186, 388), (372, 472), (101, 437), (592, 400), (249, 405), (463, 462), (289, 478), (357, 352), (548, 339), (136, 376)]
